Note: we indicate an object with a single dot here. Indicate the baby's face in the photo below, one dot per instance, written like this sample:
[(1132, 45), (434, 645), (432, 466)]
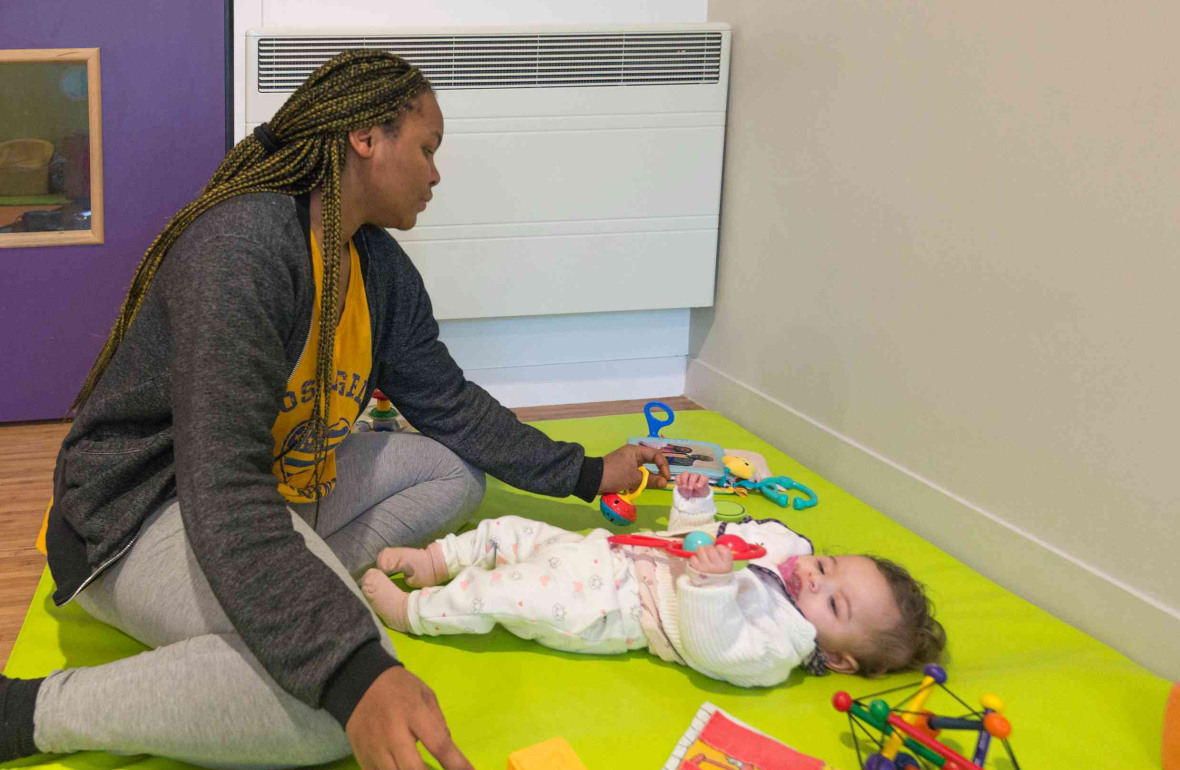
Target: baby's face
[(845, 597)]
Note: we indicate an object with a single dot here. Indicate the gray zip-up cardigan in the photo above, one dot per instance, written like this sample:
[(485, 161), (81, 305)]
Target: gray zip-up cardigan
[(185, 409)]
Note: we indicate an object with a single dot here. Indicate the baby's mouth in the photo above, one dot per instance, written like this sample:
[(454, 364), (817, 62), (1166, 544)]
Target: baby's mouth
[(793, 582)]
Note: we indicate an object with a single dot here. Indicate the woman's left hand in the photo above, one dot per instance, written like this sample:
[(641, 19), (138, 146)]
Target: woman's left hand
[(620, 469)]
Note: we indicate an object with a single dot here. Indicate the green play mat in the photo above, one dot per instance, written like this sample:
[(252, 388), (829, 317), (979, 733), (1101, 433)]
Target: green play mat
[(1072, 701)]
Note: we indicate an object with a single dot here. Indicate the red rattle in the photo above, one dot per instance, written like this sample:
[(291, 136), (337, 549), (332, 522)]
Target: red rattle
[(618, 508), (684, 547)]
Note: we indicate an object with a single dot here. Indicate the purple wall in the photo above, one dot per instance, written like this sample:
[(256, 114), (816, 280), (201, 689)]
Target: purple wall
[(163, 128)]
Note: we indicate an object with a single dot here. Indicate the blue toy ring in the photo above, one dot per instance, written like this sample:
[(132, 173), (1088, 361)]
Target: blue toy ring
[(654, 424)]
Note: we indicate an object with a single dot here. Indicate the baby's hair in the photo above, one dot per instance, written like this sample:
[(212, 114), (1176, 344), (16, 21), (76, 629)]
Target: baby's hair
[(917, 639)]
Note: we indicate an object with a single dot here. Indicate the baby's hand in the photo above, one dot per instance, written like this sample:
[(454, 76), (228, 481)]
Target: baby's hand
[(692, 485), (712, 559)]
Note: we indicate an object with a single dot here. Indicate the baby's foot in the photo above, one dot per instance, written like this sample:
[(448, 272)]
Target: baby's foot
[(391, 603), (421, 566)]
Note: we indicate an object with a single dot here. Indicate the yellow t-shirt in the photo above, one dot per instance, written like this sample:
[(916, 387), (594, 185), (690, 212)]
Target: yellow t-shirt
[(294, 462)]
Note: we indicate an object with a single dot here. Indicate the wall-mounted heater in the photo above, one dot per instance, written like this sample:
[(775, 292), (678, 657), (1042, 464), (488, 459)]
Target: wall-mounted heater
[(581, 170)]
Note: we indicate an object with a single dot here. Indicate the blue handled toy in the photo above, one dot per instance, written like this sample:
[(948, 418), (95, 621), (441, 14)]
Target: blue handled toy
[(654, 424)]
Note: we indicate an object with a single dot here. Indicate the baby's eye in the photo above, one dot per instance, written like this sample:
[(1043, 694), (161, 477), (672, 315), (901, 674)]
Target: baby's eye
[(833, 603), (820, 564)]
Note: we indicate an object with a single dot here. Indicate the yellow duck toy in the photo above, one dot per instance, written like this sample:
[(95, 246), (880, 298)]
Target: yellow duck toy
[(738, 467)]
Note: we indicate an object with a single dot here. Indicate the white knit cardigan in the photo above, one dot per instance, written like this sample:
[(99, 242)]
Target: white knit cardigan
[(741, 627)]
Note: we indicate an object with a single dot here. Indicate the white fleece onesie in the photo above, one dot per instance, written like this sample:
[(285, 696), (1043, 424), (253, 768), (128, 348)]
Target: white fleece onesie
[(580, 593)]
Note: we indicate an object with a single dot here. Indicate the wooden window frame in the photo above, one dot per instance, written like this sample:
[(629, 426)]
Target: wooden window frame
[(94, 104)]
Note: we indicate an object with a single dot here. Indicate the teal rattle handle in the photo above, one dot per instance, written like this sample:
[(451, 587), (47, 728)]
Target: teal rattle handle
[(776, 488)]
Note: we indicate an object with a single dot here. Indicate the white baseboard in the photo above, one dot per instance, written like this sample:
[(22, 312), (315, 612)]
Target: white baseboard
[(1118, 614), (575, 383)]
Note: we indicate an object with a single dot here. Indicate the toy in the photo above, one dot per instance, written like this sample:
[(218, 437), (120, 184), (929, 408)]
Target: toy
[(776, 488), (1170, 747), (742, 551), (695, 540), (553, 754), (655, 425), (731, 472), (732, 542), (683, 455), (730, 514), (738, 467), (383, 414), (736, 545), (618, 508), (910, 726)]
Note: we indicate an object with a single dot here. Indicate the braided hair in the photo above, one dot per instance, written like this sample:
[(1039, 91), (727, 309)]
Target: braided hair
[(301, 148)]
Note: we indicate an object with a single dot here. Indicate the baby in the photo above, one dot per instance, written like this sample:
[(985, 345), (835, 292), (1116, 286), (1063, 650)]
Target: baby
[(581, 593)]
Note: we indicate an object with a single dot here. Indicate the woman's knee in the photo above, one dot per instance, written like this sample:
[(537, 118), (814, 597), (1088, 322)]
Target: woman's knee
[(475, 484), (468, 482)]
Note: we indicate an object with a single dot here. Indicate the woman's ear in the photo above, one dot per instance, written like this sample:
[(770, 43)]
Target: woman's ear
[(361, 142), (841, 662)]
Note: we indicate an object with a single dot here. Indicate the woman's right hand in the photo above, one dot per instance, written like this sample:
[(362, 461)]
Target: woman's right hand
[(396, 713), (620, 469)]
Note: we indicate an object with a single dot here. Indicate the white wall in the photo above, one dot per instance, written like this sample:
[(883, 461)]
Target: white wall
[(539, 360), (956, 228)]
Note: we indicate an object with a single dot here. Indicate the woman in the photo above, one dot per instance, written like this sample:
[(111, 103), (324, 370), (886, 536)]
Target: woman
[(206, 474)]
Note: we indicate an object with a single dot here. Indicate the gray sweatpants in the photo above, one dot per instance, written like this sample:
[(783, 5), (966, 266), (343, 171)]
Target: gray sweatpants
[(200, 695)]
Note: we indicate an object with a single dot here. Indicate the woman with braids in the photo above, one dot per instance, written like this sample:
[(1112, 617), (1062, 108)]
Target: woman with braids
[(209, 500)]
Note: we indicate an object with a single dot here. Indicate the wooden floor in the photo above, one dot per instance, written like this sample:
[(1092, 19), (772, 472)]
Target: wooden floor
[(27, 455)]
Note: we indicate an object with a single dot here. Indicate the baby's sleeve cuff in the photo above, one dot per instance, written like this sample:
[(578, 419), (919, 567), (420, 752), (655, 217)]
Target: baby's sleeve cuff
[(692, 506), (709, 579)]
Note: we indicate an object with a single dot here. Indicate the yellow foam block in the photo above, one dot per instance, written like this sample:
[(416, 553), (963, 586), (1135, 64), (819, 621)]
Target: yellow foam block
[(1171, 742), (553, 754)]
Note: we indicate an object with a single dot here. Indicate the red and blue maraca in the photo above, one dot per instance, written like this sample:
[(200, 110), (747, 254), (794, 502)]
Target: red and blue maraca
[(618, 508)]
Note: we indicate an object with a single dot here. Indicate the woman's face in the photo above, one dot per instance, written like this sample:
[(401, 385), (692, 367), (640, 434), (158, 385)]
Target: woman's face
[(397, 172)]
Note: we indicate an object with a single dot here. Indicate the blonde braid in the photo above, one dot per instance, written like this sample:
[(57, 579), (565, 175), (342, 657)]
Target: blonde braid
[(329, 303), (355, 90)]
